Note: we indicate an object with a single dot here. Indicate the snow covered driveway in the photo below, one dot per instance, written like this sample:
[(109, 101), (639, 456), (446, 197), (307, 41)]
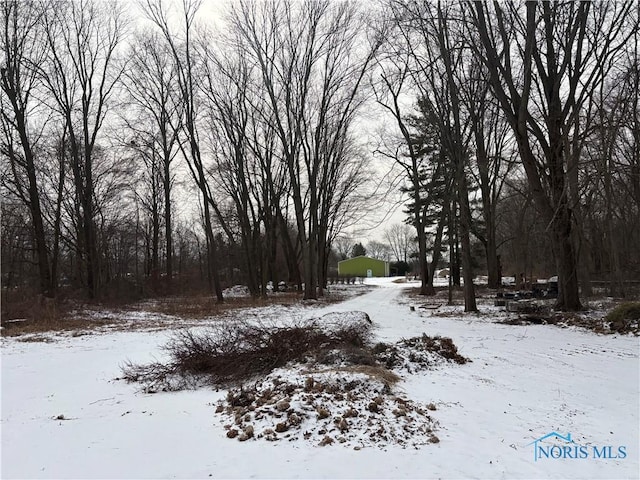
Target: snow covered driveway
[(64, 415)]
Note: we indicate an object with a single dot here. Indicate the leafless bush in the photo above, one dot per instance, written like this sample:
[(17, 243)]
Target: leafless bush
[(233, 352), (625, 318)]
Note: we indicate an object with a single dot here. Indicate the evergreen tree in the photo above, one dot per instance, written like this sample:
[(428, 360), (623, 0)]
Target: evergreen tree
[(358, 250)]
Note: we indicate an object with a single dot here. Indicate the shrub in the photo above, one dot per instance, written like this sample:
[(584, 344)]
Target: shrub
[(624, 318), (233, 352)]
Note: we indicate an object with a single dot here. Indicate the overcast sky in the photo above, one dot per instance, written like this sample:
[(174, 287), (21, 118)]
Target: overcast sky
[(385, 208)]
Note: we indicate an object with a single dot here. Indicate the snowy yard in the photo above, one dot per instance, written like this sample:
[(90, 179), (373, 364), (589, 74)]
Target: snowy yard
[(64, 414)]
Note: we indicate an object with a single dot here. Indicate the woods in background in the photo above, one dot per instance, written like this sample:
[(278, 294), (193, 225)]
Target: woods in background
[(150, 158)]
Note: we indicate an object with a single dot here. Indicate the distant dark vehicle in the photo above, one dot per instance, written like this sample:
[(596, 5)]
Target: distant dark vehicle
[(548, 289)]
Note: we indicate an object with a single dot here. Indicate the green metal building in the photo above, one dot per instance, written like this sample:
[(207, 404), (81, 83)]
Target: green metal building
[(363, 267)]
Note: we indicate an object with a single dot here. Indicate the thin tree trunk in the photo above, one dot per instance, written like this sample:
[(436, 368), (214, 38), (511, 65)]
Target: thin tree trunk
[(465, 240), (168, 229)]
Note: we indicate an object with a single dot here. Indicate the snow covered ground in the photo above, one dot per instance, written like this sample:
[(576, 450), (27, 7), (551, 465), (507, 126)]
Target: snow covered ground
[(64, 414)]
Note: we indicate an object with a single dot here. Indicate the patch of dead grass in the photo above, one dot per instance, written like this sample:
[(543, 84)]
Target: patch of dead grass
[(203, 306), (37, 315), (37, 327), (34, 315), (378, 372)]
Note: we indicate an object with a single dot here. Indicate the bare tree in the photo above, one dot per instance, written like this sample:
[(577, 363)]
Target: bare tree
[(80, 74), (187, 61), (312, 84), (237, 171), (148, 190), (435, 64), (609, 176), (444, 100), (151, 82), (564, 51), (23, 48), (395, 75), (401, 241), (376, 249), (343, 245), (16, 237), (491, 145)]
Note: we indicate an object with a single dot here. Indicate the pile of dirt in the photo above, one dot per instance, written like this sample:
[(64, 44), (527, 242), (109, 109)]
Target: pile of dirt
[(418, 353), (344, 397), (343, 407)]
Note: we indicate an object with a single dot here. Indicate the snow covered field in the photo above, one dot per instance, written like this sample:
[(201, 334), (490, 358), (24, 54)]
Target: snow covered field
[(65, 416)]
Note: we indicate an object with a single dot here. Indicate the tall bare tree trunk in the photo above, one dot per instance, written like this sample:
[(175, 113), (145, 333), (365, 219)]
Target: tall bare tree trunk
[(565, 51), (17, 79)]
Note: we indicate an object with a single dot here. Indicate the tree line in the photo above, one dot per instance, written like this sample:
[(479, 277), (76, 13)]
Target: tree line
[(514, 107), (172, 145)]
